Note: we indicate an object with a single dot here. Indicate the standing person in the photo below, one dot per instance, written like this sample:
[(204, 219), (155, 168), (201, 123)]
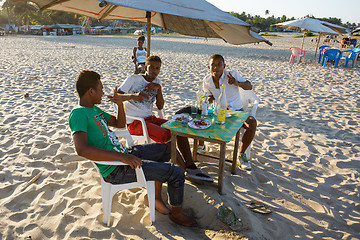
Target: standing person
[(143, 90), (139, 55), (93, 140), (233, 80)]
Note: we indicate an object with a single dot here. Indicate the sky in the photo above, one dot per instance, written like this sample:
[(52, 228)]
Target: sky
[(349, 11)]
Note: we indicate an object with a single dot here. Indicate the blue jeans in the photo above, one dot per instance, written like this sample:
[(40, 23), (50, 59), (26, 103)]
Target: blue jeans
[(155, 157)]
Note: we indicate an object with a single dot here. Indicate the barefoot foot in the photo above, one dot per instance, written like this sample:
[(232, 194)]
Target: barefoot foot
[(161, 207), (179, 218)]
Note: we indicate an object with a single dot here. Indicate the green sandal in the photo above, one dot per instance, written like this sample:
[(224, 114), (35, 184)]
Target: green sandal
[(229, 218)]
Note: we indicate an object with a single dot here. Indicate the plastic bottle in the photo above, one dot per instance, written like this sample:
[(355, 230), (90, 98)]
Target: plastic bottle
[(205, 105), (221, 107), (199, 95)]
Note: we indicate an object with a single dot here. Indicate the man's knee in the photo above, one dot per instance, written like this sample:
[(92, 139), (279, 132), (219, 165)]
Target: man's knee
[(251, 122)]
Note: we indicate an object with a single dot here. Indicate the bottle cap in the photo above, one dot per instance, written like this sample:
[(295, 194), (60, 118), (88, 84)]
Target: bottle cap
[(224, 86)]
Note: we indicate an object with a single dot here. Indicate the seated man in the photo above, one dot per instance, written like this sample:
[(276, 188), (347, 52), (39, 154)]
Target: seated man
[(233, 80), (93, 140), (143, 90)]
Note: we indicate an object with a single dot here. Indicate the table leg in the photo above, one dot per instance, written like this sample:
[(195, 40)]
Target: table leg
[(195, 146), (235, 153), (173, 147), (221, 166)]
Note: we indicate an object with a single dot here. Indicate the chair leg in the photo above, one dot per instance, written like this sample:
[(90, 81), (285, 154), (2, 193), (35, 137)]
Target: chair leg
[(106, 201), (150, 187)]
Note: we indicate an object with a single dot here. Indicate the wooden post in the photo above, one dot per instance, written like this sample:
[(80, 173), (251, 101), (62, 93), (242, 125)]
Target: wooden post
[(148, 33), (317, 45), (302, 45)]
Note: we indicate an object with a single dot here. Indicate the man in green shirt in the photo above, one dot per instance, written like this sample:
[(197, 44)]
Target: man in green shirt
[(94, 140)]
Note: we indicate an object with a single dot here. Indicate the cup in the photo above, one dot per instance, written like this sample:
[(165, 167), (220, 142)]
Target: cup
[(194, 112)]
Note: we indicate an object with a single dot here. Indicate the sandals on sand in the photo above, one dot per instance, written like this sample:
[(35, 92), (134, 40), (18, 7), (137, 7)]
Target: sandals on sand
[(229, 218), (259, 207)]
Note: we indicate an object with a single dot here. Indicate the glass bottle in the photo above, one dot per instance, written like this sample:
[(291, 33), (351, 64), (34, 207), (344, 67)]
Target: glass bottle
[(221, 107), (205, 105)]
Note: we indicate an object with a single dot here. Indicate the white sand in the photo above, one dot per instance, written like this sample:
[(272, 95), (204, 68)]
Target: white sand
[(305, 156)]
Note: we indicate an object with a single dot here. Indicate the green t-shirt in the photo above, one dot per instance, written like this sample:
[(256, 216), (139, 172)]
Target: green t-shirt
[(93, 121)]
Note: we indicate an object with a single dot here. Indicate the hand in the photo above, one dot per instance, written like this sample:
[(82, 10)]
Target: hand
[(140, 96), (152, 86), (116, 98), (131, 160), (232, 80), (211, 99)]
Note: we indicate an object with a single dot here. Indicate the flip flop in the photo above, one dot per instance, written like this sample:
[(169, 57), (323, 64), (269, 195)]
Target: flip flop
[(259, 207), (229, 218)]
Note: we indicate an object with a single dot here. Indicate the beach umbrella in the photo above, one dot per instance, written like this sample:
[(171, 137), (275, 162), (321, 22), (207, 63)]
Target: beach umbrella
[(188, 17), (356, 30), (313, 25)]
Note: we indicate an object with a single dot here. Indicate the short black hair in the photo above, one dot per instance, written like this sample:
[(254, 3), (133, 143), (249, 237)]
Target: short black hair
[(215, 56), (87, 79), (152, 59), (141, 38)]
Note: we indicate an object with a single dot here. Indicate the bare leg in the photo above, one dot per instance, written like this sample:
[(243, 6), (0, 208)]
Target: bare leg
[(184, 147), (180, 218), (249, 134), (159, 203)]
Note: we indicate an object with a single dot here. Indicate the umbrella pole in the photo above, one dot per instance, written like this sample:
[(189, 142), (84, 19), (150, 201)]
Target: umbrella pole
[(302, 45), (148, 33), (317, 45)]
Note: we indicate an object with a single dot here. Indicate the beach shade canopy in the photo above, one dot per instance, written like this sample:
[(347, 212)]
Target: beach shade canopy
[(313, 25), (188, 17)]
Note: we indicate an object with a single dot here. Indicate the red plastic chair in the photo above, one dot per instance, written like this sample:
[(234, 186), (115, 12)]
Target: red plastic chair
[(298, 54)]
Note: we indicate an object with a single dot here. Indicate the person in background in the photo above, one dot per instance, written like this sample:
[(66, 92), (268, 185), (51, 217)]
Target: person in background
[(139, 55), (95, 141)]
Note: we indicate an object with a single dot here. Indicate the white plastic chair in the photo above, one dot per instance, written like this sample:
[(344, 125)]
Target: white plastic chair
[(248, 96), (108, 190), (145, 138)]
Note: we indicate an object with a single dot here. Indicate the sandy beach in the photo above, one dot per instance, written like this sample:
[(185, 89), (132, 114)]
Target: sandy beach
[(305, 156)]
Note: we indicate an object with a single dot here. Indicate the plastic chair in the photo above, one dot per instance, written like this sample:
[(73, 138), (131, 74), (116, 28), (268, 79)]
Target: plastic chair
[(108, 190), (322, 49), (248, 97), (298, 54), (145, 138), (331, 54), (351, 56), (353, 42)]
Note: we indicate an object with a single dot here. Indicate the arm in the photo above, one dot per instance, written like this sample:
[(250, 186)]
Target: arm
[(83, 149), (120, 120), (159, 96), (134, 55), (244, 85)]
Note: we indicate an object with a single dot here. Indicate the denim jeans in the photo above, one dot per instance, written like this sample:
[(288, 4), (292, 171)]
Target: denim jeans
[(155, 165)]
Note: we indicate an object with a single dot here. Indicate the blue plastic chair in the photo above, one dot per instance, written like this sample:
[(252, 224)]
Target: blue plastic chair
[(321, 52), (353, 42), (331, 54), (351, 56)]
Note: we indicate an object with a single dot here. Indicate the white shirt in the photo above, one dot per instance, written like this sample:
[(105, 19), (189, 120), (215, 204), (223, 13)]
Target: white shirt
[(232, 92), (140, 55), (136, 84)]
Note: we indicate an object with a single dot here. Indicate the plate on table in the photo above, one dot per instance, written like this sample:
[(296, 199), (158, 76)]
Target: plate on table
[(179, 117), (228, 114), (199, 123)]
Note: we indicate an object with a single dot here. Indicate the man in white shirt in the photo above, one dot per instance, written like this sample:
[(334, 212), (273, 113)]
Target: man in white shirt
[(143, 90), (233, 81)]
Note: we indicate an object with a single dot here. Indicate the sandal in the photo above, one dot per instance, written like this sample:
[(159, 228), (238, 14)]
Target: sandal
[(229, 218), (259, 207)]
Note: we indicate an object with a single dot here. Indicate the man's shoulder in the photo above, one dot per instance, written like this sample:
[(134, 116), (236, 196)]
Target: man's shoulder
[(207, 78)]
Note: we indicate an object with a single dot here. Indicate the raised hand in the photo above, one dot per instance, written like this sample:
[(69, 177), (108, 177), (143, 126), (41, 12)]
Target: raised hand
[(152, 86), (232, 80), (118, 99)]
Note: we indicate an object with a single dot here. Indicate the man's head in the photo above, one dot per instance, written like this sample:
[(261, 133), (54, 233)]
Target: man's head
[(216, 65), (89, 82), (152, 67)]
